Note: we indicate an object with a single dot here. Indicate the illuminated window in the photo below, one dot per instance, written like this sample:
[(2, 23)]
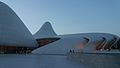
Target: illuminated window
[(81, 45)]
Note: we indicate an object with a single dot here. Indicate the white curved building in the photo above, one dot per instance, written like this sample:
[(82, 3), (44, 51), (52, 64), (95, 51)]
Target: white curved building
[(96, 50), (13, 33), (16, 37), (45, 31), (85, 41)]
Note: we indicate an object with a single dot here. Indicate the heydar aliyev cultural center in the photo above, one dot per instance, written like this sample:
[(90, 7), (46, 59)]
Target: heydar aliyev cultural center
[(16, 38), (14, 35)]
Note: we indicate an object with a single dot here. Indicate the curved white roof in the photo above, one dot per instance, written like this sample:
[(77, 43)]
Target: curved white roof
[(12, 30), (68, 42), (74, 41), (45, 31), (61, 46)]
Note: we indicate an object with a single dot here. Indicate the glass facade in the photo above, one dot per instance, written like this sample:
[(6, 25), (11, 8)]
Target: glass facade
[(46, 41), (14, 50)]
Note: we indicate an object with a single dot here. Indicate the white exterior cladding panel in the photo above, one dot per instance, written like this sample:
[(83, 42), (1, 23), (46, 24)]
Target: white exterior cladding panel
[(45, 31), (12, 30), (69, 42)]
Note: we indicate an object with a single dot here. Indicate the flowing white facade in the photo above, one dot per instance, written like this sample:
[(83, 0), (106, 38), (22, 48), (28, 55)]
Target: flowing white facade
[(84, 41), (12, 30), (45, 31), (95, 50)]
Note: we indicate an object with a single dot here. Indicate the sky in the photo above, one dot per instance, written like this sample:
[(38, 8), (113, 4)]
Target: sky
[(69, 16)]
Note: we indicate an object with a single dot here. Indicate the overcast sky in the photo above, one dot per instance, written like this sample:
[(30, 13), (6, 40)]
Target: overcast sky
[(69, 16)]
